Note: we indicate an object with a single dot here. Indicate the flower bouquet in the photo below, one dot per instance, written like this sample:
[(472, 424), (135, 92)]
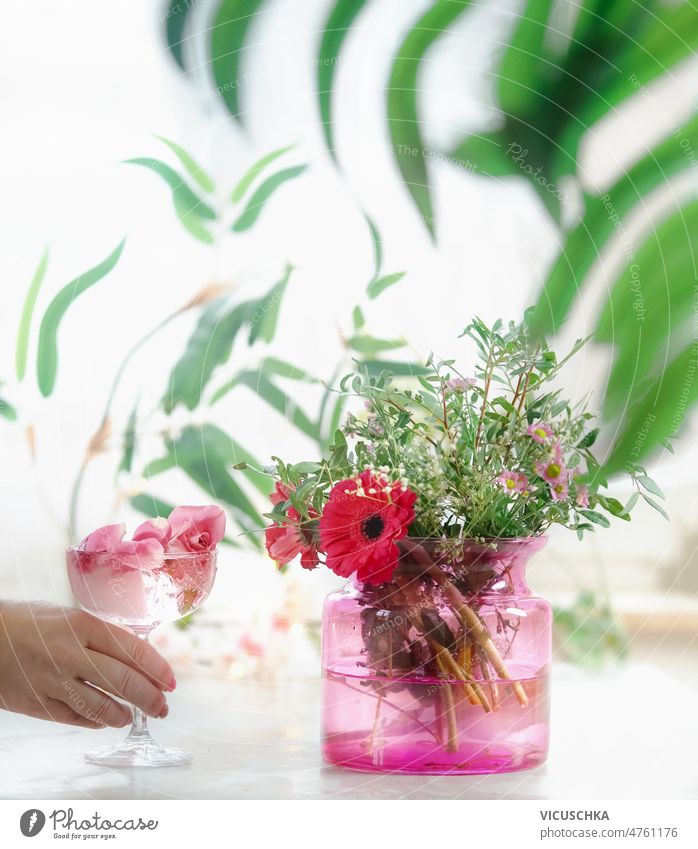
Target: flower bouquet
[(436, 655)]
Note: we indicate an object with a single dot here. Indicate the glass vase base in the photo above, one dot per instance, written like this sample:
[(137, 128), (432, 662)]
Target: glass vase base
[(138, 753), (429, 760)]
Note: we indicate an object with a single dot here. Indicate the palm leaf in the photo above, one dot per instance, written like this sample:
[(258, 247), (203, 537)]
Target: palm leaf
[(228, 36), (337, 27), (402, 108)]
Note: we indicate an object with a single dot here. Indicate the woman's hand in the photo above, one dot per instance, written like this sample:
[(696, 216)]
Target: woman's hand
[(53, 660)]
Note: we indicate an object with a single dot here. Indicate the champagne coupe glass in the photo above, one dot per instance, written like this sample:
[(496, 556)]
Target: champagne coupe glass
[(139, 593)]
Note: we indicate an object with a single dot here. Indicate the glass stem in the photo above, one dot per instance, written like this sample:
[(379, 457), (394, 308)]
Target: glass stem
[(139, 722)]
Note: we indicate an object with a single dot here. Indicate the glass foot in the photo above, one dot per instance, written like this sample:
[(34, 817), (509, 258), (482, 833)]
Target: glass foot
[(137, 753)]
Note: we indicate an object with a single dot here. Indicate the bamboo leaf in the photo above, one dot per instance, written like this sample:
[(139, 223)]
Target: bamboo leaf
[(229, 33), (369, 345), (203, 453), (262, 194), (260, 384), (274, 366), (252, 173), (402, 107), (47, 354), (337, 27), (186, 200), (264, 314), (26, 318), (126, 463), (209, 346), (192, 223), (375, 367), (201, 177), (380, 284)]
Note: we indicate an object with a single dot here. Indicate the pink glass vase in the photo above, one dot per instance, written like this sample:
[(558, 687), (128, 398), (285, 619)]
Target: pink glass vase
[(444, 670)]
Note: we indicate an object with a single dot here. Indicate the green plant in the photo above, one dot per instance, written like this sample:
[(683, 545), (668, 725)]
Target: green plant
[(563, 70), (228, 351), (500, 455)]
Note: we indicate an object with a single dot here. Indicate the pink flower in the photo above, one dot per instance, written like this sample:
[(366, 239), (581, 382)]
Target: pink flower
[(158, 528), (280, 493), (513, 481), (104, 539), (110, 540), (196, 528), (552, 471), (540, 432), (286, 540), (559, 491), (582, 498), (460, 384)]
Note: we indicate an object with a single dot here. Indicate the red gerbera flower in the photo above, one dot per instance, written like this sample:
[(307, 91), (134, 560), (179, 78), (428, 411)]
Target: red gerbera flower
[(360, 524), (286, 541)]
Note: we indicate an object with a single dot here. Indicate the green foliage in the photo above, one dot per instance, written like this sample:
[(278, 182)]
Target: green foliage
[(228, 35), (337, 27), (587, 632), (497, 455), (256, 203), (211, 343), (254, 171), (7, 411), (47, 356), (557, 77), (409, 149)]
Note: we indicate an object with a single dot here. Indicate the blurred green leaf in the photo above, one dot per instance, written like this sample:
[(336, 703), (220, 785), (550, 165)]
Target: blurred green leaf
[(655, 505), (274, 366), (486, 154), (252, 173), (587, 632), (377, 243), (650, 485), (403, 111), (186, 201), (657, 413), (380, 284), (204, 454), (126, 463), (369, 345), (192, 223), (260, 384), (358, 318), (202, 178), (337, 27), (264, 191), (375, 367), (151, 505), (209, 346), (228, 35), (26, 318), (175, 21), (7, 411), (47, 354), (264, 313), (603, 220), (526, 66)]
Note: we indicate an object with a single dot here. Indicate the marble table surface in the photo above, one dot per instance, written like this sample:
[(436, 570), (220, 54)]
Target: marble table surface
[(631, 733)]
